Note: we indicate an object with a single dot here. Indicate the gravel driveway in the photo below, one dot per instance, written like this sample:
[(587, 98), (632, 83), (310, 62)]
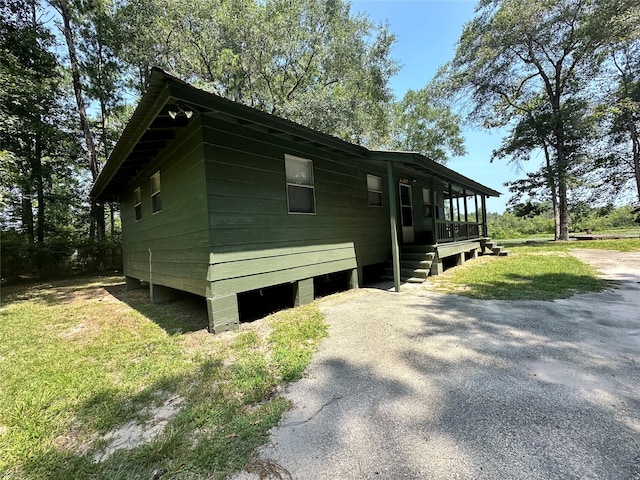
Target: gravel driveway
[(428, 386)]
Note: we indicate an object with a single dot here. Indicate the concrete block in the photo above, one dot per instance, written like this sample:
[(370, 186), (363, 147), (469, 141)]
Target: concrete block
[(132, 283), (161, 294), (223, 313), (303, 292)]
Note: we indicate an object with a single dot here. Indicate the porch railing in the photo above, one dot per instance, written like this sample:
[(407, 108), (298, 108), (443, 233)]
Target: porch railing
[(452, 231)]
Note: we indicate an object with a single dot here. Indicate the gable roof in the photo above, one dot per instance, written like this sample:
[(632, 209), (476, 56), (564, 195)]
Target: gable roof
[(151, 129)]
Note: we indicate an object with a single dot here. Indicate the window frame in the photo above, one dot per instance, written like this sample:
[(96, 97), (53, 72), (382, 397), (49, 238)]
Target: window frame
[(137, 203), (156, 194), (311, 185), (371, 190)]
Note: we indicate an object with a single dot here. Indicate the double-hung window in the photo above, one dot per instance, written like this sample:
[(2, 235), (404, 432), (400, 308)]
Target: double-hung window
[(374, 188), (137, 202), (300, 186), (156, 204)]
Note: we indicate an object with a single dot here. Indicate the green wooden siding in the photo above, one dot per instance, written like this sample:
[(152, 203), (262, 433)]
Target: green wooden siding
[(255, 242), (178, 235)]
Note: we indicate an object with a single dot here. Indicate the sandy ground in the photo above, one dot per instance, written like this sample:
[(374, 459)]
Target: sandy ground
[(424, 385)]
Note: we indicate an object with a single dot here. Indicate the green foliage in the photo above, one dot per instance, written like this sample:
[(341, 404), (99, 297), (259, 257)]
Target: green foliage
[(78, 363), (310, 61), (537, 219), (530, 67), (420, 123)]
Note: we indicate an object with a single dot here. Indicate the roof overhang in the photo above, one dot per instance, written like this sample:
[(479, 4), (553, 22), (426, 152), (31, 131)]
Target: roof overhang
[(152, 128), (425, 165)]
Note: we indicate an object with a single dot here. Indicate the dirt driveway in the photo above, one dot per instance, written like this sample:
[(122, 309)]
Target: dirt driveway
[(428, 386)]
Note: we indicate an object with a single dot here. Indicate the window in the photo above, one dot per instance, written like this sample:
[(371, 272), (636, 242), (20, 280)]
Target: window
[(137, 202), (300, 187), (426, 200), (156, 204), (374, 186)]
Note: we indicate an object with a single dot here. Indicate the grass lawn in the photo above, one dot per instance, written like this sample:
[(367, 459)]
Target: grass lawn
[(82, 358), (540, 271)]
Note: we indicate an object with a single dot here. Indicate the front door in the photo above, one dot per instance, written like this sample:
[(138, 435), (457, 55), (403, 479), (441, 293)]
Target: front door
[(406, 213)]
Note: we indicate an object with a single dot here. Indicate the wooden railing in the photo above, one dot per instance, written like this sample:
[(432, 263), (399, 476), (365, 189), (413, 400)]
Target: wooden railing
[(452, 231)]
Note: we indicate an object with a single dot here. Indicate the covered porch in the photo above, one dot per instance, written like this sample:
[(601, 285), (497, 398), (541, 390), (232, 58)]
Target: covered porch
[(435, 214)]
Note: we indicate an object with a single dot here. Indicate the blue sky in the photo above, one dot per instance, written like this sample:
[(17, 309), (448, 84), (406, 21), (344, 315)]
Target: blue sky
[(426, 35)]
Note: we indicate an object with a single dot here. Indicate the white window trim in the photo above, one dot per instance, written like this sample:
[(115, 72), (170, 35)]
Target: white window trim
[(312, 186), (375, 191), (135, 205), (156, 193)]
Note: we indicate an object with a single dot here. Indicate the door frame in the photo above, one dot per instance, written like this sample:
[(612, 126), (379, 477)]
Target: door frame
[(408, 231)]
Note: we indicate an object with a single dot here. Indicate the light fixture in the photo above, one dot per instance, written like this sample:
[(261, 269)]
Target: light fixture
[(177, 110)]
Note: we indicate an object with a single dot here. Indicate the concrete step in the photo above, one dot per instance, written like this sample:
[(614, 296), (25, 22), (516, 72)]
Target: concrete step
[(416, 264), (496, 249), (417, 255), (408, 272), (416, 248), (504, 253)]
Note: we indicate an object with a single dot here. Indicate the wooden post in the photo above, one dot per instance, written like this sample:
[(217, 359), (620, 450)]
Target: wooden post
[(453, 230), (434, 210), (485, 231), (466, 213), (395, 250), (475, 198)]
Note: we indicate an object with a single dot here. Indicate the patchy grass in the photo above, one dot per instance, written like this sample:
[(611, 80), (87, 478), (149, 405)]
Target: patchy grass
[(528, 273), (81, 358)]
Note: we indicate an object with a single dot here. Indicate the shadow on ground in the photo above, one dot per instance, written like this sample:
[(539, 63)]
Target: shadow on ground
[(187, 313), (421, 385)]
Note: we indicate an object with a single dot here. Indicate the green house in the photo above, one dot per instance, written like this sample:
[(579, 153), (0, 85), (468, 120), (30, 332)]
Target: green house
[(218, 199)]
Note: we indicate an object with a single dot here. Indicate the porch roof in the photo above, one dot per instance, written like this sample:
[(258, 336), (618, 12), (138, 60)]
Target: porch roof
[(423, 164)]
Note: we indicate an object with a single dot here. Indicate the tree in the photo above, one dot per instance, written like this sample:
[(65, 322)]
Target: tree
[(622, 119), (37, 150), (515, 54), (421, 123), (310, 61)]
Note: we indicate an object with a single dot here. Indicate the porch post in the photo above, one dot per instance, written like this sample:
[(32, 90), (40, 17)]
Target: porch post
[(466, 214), (434, 212), (395, 250), (453, 229), (475, 198), (485, 231)]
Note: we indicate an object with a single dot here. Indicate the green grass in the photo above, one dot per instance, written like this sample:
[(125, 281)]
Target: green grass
[(82, 358), (621, 245), (541, 271)]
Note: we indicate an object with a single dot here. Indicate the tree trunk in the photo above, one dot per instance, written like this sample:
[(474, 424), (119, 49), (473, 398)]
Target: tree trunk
[(635, 147), (27, 218), (563, 209), (36, 172), (551, 183), (97, 211)]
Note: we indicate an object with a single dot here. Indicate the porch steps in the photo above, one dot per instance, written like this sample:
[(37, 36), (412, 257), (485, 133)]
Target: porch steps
[(494, 248), (415, 264)]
